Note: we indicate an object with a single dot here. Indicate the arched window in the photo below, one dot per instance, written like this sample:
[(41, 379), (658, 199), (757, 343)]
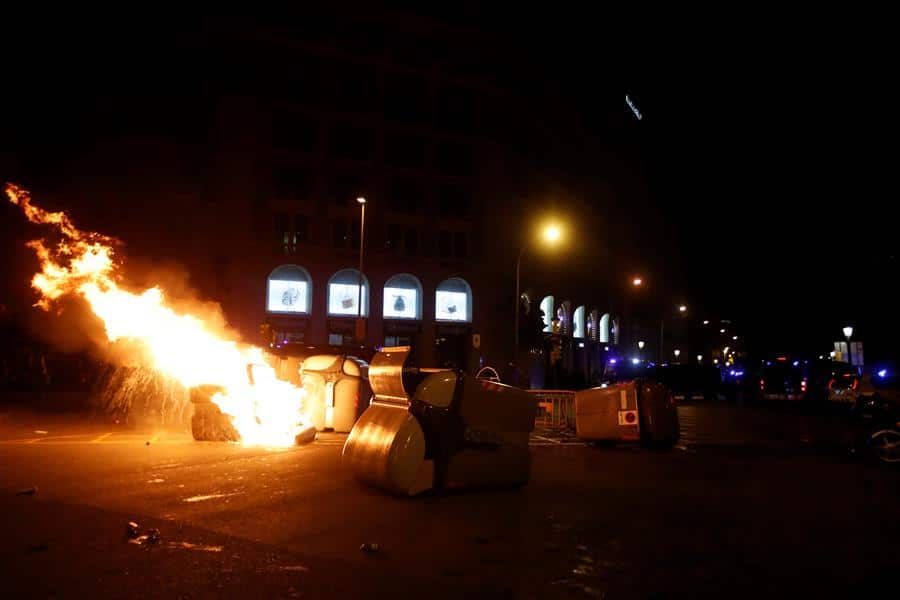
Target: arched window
[(402, 297), (289, 290), (453, 301), (547, 305), (604, 329), (578, 323), (344, 294)]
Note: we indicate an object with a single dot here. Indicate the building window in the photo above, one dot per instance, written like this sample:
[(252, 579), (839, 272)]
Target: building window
[(295, 132), (393, 238), (548, 304), (578, 323), (460, 245), (402, 297), (405, 151), (453, 301), (453, 202), (344, 298), (454, 159), (445, 244), (405, 98), (405, 195), (345, 233), (289, 290), (453, 244), (351, 142), (397, 340)]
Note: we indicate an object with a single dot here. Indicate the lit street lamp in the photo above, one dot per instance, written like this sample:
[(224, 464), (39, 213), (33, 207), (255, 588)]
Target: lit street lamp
[(699, 358), (551, 235), (641, 344), (682, 308), (637, 282), (848, 333), (677, 352)]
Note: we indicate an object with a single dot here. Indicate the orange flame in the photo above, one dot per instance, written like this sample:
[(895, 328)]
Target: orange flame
[(267, 411)]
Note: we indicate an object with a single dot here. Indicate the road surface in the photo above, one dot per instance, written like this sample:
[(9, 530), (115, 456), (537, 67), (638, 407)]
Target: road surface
[(762, 511)]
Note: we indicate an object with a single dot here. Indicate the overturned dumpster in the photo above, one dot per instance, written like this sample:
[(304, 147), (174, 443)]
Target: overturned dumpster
[(438, 429), (629, 411)]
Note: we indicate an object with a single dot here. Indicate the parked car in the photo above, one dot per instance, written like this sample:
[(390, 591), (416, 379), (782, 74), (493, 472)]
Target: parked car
[(843, 384)]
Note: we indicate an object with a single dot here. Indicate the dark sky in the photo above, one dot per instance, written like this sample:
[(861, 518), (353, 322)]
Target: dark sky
[(759, 166)]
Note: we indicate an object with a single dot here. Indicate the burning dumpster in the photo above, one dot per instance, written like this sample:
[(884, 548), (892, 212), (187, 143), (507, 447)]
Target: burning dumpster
[(628, 411), (337, 390), (438, 429)]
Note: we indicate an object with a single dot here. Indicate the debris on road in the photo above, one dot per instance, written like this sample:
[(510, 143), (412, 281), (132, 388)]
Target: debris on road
[(133, 529), (370, 548), (306, 436), (203, 497), (28, 491), (199, 547), (153, 536), (157, 480), (41, 432)]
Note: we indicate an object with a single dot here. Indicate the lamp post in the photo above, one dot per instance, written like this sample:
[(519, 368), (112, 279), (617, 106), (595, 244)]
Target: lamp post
[(682, 309), (677, 353), (848, 333), (641, 350), (551, 234), (360, 323)]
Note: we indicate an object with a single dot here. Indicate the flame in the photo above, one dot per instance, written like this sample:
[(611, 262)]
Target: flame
[(265, 411)]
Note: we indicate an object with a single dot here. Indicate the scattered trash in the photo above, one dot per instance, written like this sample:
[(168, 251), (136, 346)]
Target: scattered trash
[(41, 432), (139, 540), (153, 536), (208, 497), (157, 480), (199, 547), (28, 491), (133, 529), (39, 548), (370, 548), (306, 436)]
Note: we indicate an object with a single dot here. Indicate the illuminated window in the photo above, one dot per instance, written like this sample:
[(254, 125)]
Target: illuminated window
[(289, 290), (603, 330), (402, 297), (453, 301), (344, 294), (578, 322), (547, 305)]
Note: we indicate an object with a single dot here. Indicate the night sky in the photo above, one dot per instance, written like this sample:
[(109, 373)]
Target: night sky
[(755, 178)]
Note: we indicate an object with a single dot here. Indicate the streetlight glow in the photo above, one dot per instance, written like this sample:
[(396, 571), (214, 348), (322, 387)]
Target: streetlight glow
[(721, 331), (361, 200), (641, 344), (677, 352), (552, 233), (682, 308), (848, 332), (637, 281), (699, 358), (706, 322)]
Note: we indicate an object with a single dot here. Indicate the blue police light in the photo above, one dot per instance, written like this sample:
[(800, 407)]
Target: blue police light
[(796, 363), (635, 361), (739, 374), (882, 373), (612, 361), (731, 372)]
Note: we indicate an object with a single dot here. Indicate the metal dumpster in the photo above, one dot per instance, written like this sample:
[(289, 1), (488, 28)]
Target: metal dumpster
[(438, 428), (628, 411), (337, 390)]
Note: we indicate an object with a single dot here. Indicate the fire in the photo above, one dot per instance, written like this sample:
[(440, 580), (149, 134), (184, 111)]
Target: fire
[(265, 411)]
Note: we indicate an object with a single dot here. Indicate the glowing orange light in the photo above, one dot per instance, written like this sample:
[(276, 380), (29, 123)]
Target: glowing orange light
[(181, 346)]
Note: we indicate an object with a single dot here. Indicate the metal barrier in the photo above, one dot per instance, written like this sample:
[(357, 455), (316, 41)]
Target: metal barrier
[(556, 408)]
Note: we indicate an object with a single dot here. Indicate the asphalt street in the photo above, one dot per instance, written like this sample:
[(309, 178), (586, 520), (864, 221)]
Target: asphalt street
[(752, 501)]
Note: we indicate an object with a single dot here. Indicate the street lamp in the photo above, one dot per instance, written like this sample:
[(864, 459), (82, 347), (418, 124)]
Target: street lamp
[(699, 358), (677, 352), (360, 324), (641, 344), (848, 332), (551, 233), (682, 308), (637, 282)]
